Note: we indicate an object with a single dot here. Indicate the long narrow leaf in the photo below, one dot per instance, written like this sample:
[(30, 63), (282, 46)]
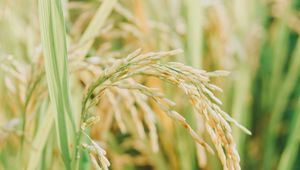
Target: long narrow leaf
[(40, 139), (281, 102), (96, 24), (289, 154), (55, 55)]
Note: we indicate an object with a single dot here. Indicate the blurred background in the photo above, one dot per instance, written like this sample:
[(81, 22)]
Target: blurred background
[(256, 40)]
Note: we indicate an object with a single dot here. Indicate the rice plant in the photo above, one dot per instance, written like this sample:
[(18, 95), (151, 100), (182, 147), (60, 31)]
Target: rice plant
[(173, 84)]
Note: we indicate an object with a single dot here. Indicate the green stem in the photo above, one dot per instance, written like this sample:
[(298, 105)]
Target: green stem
[(280, 103), (289, 155)]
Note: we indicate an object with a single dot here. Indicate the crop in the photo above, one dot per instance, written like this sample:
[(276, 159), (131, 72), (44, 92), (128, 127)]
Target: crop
[(116, 84)]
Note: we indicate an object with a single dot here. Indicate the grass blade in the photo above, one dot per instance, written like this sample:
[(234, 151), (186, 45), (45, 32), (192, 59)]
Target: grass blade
[(96, 24), (194, 33), (280, 103), (40, 139), (289, 155), (55, 55)]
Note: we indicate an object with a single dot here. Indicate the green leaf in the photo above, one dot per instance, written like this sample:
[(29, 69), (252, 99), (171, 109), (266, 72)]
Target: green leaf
[(55, 55)]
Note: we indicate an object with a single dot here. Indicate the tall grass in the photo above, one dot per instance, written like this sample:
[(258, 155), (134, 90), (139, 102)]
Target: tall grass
[(78, 93)]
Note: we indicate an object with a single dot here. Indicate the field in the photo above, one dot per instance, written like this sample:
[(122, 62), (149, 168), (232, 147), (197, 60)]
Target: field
[(149, 84)]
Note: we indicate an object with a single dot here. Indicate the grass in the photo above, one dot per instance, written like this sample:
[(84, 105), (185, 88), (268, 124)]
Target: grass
[(104, 84), (56, 68), (289, 155)]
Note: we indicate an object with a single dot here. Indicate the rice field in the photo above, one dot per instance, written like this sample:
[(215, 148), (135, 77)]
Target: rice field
[(149, 85)]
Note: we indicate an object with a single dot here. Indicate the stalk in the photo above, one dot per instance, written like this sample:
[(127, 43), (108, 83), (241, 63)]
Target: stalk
[(194, 33), (280, 103), (289, 154)]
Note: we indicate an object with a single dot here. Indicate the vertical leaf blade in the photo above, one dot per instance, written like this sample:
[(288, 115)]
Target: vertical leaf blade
[(55, 55)]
